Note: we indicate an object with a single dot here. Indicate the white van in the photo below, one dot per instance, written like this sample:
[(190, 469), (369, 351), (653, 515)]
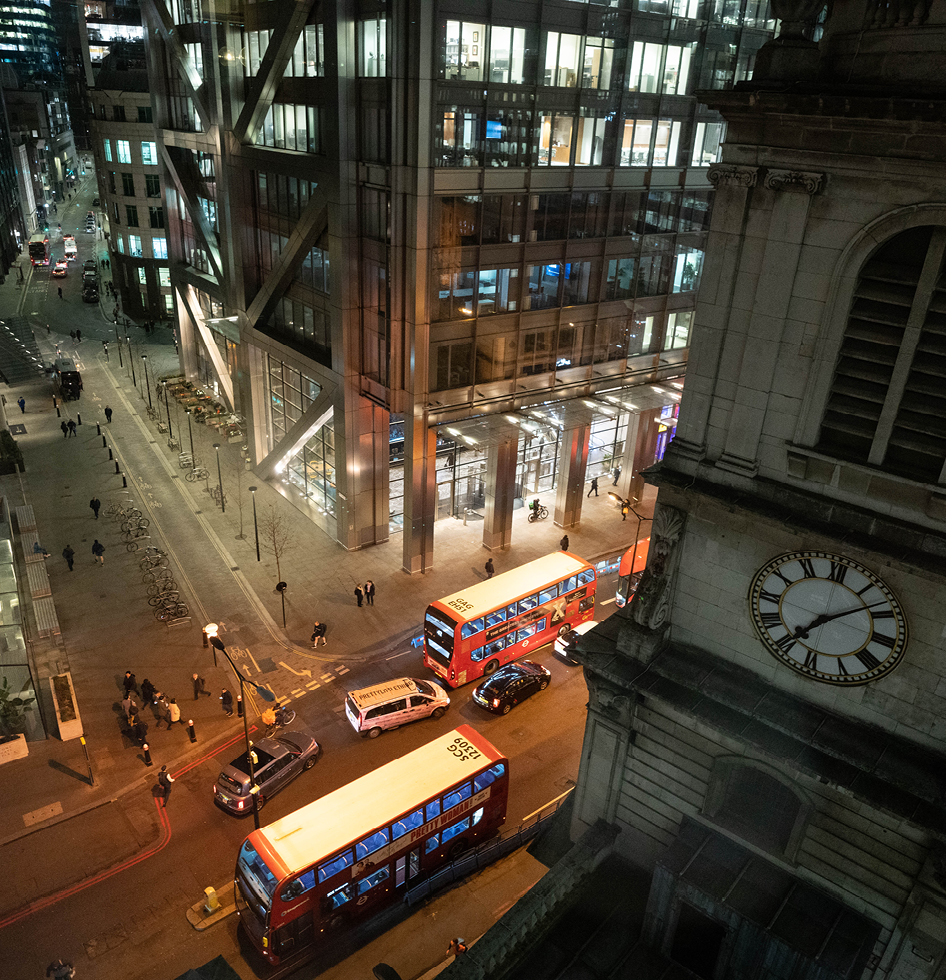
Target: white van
[(375, 709)]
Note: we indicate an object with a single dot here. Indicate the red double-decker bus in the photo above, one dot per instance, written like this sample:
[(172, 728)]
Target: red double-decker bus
[(477, 630), (345, 856)]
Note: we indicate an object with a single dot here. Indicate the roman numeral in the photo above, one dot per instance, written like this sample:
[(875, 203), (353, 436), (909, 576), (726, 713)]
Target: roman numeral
[(807, 565), (773, 597), (883, 640), (867, 659), (783, 578), (843, 671), (837, 572), (786, 643), (770, 620), (810, 662), (866, 588), (883, 614)]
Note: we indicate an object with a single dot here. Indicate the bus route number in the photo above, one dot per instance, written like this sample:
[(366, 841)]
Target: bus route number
[(463, 749), (461, 605)]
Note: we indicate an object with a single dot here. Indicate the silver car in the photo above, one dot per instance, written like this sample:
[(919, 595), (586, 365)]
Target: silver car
[(276, 762)]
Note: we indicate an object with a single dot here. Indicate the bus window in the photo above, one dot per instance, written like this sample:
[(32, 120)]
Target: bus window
[(495, 618), (457, 795), (472, 627), (548, 594), (513, 610), (585, 576), (526, 632), (339, 896), (372, 843), (484, 779), (432, 810), (458, 828), (540, 626), (408, 823), (257, 868), (365, 884), (330, 868), (497, 646), (477, 816), (432, 843), (530, 602), (300, 885), (478, 654), (567, 585)]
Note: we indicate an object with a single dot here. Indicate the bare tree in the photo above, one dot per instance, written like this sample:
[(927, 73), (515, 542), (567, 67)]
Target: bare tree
[(275, 533)]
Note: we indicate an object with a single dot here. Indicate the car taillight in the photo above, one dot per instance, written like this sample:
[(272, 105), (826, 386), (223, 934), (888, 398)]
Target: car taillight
[(241, 804)]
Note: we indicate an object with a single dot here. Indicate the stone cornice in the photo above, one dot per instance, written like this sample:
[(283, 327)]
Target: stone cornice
[(794, 180)]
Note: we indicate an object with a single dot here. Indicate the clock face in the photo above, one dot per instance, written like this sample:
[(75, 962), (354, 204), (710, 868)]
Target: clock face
[(828, 617)]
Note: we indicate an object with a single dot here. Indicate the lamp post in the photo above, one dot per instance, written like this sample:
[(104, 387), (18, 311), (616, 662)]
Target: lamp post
[(132, 364), (119, 345), (212, 632), (145, 367), (254, 511), (191, 445), (168, 416), (221, 492)]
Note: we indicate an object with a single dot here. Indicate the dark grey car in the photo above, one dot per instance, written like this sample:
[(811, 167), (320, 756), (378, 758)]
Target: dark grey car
[(277, 761)]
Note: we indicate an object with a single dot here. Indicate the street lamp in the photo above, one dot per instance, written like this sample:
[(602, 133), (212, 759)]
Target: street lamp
[(254, 510), (132, 364), (221, 492), (145, 367), (165, 386), (191, 445), (119, 345), (212, 632)]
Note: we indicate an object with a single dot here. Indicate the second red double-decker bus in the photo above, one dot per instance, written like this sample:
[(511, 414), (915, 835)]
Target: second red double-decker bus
[(348, 854), (473, 632), (630, 569)]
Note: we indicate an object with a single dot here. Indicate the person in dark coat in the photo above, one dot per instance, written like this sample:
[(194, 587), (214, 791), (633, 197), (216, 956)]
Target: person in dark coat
[(69, 555), (165, 784), (108, 412), (22, 404), (359, 593), (129, 683), (198, 686), (370, 590), (319, 634), (227, 702), (98, 550), (65, 428), (94, 506), (490, 568), (148, 691), (593, 488), (625, 507), (564, 543), (71, 425)]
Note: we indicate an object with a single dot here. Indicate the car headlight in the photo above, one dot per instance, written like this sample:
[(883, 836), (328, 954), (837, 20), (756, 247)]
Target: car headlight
[(495, 702)]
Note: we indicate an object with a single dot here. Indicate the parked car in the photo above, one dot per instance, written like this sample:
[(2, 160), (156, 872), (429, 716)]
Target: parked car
[(565, 642), (511, 684), (95, 202), (375, 709), (90, 279), (60, 269), (276, 762), (90, 294), (89, 265)]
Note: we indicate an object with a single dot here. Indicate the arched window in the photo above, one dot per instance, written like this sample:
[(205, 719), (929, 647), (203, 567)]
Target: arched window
[(752, 803), (886, 405)]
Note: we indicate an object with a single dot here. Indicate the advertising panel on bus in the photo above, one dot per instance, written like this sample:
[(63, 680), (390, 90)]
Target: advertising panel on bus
[(473, 632), (343, 857)]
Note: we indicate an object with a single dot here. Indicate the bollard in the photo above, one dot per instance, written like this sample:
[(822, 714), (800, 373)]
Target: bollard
[(117, 466), (191, 730), (147, 753), (99, 431), (103, 438), (124, 480), (241, 707), (79, 419), (211, 900), (110, 454), (204, 633)]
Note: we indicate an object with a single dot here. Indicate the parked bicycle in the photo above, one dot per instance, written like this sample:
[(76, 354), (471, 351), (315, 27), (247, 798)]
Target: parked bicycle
[(197, 473)]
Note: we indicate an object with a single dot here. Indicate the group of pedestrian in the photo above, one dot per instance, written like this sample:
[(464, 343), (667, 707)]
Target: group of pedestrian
[(164, 708), (69, 428), (76, 335), (366, 591)]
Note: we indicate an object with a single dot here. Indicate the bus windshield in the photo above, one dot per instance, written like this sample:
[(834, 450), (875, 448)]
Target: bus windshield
[(259, 878), (475, 631)]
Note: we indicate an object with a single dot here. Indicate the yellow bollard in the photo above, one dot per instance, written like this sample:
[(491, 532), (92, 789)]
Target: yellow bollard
[(211, 900)]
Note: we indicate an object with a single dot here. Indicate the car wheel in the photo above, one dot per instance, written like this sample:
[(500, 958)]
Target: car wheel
[(311, 763), (506, 708), (543, 685), (564, 628), (491, 667), (374, 732), (259, 801), (437, 713)]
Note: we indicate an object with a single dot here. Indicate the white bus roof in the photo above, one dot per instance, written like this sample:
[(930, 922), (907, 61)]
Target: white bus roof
[(320, 829), (486, 596)]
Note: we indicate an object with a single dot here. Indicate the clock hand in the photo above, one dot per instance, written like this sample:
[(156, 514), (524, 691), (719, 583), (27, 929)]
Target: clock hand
[(827, 617)]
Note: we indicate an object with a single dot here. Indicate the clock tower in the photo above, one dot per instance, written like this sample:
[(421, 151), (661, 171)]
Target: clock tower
[(766, 720)]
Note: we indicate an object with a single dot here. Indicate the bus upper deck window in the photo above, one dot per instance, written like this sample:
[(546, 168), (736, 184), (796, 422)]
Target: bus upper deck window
[(337, 863), (406, 824), (303, 883), (495, 618), (567, 585), (513, 610), (472, 627), (372, 843), (433, 810), (548, 594), (530, 602), (457, 795), (586, 576)]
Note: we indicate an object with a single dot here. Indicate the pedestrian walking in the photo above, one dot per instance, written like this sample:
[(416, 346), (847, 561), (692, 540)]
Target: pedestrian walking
[(139, 730), (175, 713), (198, 686), (164, 711), (108, 412), (65, 428), (319, 634), (59, 289), (227, 702), (625, 507), (456, 947), (71, 425), (98, 550), (72, 335), (359, 593), (102, 263), (593, 488), (616, 473), (165, 784), (60, 970), (79, 336), (490, 568), (129, 705), (129, 682), (22, 403), (94, 506), (370, 590), (564, 543), (69, 555), (148, 691)]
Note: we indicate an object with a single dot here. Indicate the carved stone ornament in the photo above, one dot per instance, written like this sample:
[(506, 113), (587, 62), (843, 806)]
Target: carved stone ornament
[(727, 173), (650, 606), (793, 180)]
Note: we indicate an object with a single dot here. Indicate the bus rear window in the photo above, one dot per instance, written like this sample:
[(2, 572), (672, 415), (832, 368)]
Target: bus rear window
[(471, 628)]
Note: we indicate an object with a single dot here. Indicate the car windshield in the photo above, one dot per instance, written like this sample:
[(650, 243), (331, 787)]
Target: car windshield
[(503, 677), (262, 759), (423, 687), (289, 745)]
